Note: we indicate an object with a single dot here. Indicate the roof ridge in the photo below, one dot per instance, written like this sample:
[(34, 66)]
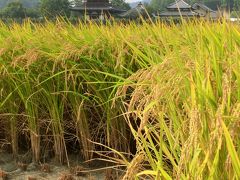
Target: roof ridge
[(173, 2), (177, 3)]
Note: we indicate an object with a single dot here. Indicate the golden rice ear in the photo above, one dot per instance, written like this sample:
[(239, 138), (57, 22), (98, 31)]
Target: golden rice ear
[(135, 166), (29, 57), (168, 92)]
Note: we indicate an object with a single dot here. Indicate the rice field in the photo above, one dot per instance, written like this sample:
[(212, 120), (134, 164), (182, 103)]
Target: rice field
[(159, 101)]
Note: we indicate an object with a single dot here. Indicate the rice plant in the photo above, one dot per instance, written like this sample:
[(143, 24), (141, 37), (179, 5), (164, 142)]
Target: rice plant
[(164, 99)]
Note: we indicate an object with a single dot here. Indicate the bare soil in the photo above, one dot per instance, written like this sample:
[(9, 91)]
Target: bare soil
[(11, 169)]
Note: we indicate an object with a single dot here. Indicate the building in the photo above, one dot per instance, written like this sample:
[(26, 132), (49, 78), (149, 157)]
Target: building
[(178, 9), (205, 12), (134, 13), (181, 9), (95, 9)]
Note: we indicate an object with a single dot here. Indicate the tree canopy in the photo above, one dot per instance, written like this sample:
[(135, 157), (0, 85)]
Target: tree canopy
[(25, 3), (53, 8), (14, 10), (121, 4)]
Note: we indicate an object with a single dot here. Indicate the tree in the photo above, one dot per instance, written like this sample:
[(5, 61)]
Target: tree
[(158, 5), (33, 13), (236, 5), (121, 4), (149, 8), (14, 10), (53, 8), (26, 3)]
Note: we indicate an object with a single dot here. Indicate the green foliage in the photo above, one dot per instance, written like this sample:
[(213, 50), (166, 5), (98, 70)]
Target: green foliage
[(235, 14), (14, 10), (53, 8), (120, 4), (236, 5), (158, 5), (33, 12), (149, 8), (26, 3)]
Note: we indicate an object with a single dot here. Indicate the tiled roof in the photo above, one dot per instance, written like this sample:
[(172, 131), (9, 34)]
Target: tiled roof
[(204, 7), (139, 10), (179, 4), (177, 13)]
